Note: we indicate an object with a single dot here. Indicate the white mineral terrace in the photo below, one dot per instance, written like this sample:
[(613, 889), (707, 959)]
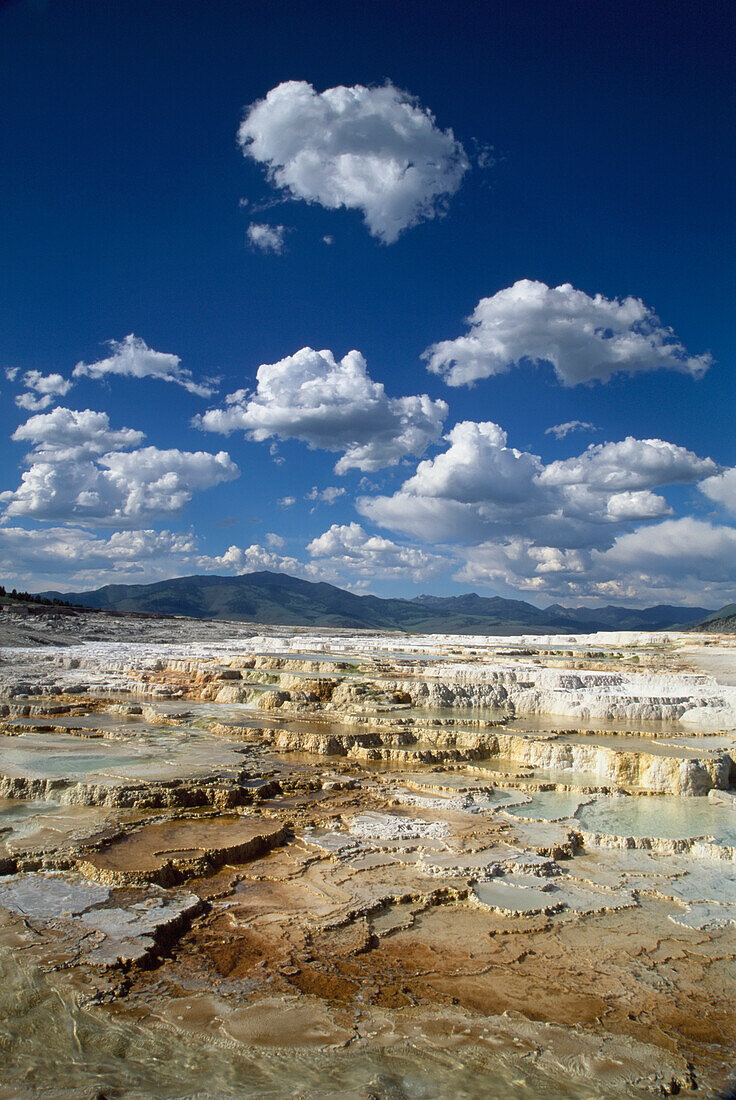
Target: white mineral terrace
[(240, 861)]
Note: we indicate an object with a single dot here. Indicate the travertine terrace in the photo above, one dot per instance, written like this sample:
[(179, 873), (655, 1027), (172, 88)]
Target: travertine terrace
[(248, 861)]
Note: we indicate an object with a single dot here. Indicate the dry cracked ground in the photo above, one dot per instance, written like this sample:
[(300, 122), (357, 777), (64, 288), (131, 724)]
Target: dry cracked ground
[(242, 861)]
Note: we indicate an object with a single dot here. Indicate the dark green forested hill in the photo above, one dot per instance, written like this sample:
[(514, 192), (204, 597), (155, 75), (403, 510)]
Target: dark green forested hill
[(722, 621)]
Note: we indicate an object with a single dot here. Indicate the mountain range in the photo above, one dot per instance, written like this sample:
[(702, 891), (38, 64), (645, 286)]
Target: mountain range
[(279, 599)]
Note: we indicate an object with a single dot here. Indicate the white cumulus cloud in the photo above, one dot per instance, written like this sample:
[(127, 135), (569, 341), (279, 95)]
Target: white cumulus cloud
[(584, 338), (42, 390), (376, 150), (479, 489), (80, 470), (629, 464), (65, 430), (256, 558), (686, 546), (31, 402), (478, 483), (676, 559), (478, 466), (347, 547), (332, 405), (54, 385), (132, 358), (722, 489)]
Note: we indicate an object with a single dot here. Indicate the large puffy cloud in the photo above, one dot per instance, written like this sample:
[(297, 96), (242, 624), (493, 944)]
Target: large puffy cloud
[(629, 464), (117, 488), (478, 467), (691, 546), (477, 485), (585, 339), (347, 547), (679, 558), (132, 358), (722, 489), (77, 431), (80, 471), (480, 489), (152, 482), (619, 477), (332, 405), (376, 150)]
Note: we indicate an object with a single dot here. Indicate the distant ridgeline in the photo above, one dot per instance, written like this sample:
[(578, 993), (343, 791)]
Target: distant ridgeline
[(279, 599)]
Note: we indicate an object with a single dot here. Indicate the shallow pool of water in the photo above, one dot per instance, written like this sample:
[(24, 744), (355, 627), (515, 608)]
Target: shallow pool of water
[(617, 743), (670, 818), (542, 723), (149, 756), (568, 777), (13, 812), (550, 806)]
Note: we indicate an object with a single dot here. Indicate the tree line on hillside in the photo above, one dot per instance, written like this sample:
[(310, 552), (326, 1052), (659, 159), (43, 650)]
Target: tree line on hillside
[(30, 597)]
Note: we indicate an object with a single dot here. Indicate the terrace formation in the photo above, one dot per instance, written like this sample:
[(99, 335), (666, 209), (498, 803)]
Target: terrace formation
[(261, 861)]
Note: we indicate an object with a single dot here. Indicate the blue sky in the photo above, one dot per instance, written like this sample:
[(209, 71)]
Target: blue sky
[(233, 183)]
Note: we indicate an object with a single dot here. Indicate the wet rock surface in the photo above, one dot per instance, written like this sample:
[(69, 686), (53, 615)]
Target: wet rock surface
[(272, 862)]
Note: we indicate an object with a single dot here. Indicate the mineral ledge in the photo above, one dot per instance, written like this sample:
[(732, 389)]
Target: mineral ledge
[(243, 861)]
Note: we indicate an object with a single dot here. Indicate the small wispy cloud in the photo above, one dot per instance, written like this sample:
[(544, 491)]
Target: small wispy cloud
[(132, 358), (559, 431)]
